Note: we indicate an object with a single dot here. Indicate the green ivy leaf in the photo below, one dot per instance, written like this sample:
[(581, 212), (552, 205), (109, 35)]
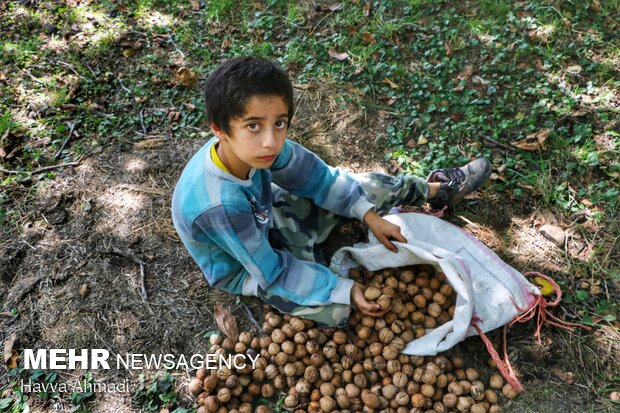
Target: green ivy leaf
[(582, 295)]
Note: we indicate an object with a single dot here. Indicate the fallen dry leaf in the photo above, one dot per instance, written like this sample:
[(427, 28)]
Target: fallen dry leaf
[(187, 77), (368, 8), (446, 46), (393, 85), (337, 55), (303, 86), (84, 290), (369, 38), (174, 115), (422, 140), (410, 143), (150, 143), (128, 52), (574, 69), (123, 8), (8, 351), (534, 141), (463, 76), (334, 7), (566, 376), (579, 113), (226, 322), (539, 34), (466, 73), (194, 4)]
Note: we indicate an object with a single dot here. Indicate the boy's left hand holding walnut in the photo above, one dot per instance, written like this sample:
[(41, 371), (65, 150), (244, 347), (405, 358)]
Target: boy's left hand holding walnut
[(364, 306), (384, 230)]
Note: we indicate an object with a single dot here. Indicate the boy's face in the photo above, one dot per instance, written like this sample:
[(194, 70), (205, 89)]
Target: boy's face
[(256, 137)]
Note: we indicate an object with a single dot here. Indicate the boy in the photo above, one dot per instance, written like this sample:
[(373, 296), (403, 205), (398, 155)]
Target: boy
[(251, 206)]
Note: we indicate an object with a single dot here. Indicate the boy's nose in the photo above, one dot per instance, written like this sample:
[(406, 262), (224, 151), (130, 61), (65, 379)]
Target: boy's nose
[(269, 140)]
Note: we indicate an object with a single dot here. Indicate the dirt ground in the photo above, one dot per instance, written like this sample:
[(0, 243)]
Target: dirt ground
[(106, 223)]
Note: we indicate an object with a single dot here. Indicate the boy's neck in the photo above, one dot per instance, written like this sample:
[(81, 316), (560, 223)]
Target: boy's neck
[(239, 171)]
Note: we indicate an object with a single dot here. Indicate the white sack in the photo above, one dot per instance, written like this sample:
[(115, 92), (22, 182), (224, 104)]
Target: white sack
[(485, 285)]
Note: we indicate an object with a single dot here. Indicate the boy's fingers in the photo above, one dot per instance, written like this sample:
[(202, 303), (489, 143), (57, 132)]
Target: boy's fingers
[(400, 238), (385, 241)]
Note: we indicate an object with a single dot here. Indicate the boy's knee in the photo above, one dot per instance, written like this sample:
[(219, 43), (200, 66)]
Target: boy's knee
[(334, 315)]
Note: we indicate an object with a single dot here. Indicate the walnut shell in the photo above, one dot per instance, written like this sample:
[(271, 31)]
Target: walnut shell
[(352, 390), (490, 396), (509, 391), (211, 404), (400, 379), (496, 381), (291, 401), (477, 390), (402, 398), (327, 404), (384, 302), (195, 386), (343, 401), (434, 310), (389, 391), (390, 352), (477, 408), (450, 400), (223, 395), (372, 293), (463, 404), (418, 400), (370, 399), (407, 276)]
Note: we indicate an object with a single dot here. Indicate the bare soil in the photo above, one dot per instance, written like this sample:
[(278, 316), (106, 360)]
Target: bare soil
[(106, 223)]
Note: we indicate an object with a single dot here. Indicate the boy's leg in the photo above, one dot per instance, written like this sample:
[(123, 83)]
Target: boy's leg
[(386, 191), (299, 225), (333, 315)]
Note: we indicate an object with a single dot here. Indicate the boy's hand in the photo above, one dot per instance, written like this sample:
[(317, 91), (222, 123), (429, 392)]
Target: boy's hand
[(359, 301), (384, 230)]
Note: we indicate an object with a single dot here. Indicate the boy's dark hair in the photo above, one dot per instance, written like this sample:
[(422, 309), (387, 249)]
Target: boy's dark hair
[(236, 80)]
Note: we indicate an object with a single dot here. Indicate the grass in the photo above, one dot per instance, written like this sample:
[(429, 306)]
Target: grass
[(112, 69)]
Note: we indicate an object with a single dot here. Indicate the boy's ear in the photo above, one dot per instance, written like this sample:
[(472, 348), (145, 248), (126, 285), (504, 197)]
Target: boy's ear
[(217, 131)]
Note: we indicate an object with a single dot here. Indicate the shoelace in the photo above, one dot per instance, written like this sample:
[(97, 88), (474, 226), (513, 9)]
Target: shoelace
[(454, 174)]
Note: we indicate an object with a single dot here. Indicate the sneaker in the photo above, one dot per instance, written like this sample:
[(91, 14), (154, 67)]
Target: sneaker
[(458, 182)]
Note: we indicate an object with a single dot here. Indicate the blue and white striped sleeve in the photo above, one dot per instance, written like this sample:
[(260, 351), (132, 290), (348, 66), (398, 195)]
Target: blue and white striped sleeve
[(234, 230), (304, 174)]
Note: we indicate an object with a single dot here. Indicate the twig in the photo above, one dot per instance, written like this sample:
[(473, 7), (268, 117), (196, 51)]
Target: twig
[(120, 81), (486, 138), (249, 314), (9, 171), (51, 167), (69, 67), (142, 121), (175, 46), (613, 244), (143, 290), (43, 169), (319, 22), (62, 147), (39, 81)]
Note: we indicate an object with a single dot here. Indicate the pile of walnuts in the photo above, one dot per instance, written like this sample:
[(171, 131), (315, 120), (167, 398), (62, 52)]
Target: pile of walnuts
[(358, 368)]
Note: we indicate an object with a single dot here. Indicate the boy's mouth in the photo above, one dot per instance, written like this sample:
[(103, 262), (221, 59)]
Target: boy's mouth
[(267, 158)]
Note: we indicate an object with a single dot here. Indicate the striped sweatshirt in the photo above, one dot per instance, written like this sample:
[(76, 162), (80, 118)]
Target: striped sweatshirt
[(224, 221)]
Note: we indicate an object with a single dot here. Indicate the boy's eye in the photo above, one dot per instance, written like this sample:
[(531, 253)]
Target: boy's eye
[(253, 126), (281, 124)]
